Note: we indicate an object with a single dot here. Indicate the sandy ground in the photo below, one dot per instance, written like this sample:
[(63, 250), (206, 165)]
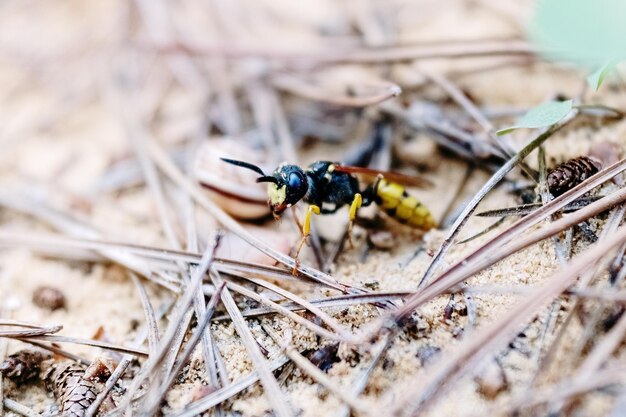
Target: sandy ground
[(62, 134)]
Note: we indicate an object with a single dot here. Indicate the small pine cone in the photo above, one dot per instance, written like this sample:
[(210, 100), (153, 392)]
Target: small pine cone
[(74, 393), (22, 366), (571, 173)]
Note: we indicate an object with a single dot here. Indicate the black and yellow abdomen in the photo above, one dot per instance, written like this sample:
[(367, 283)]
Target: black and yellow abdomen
[(403, 207)]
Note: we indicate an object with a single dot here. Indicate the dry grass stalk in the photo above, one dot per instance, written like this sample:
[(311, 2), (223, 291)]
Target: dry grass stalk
[(602, 351), (181, 360), (503, 144), (452, 50), (85, 342), (445, 134), (315, 373), (445, 280), (138, 138), (122, 366), (471, 206), (565, 391), (151, 322), (30, 331), (57, 351), (227, 266), (342, 333), (181, 310), (545, 362), (343, 336), (20, 409), (496, 336), (228, 392), (378, 353), (27, 204), (3, 353), (455, 275), (272, 390), (303, 89)]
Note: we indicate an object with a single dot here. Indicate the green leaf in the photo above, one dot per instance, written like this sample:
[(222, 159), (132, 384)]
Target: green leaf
[(596, 78), (545, 114), (580, 31)]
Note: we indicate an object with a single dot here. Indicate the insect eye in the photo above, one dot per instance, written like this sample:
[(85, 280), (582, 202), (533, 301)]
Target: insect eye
[(295, 181)]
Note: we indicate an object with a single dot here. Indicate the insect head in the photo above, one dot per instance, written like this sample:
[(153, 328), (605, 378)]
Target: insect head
[(286, 186)]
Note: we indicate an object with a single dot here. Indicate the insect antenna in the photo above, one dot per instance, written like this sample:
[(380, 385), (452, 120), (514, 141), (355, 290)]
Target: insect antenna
[(262, 178), (245, 165), (267, 178)]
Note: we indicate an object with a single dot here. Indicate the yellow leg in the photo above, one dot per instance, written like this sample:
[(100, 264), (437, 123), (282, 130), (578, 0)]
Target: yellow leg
[(306, 230), (356, 204)]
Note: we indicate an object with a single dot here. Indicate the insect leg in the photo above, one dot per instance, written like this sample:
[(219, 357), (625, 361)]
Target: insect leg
[(306, 230), (295, 217), (356, 203)]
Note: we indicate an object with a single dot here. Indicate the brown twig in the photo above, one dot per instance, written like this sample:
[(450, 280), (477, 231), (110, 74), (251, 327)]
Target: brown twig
[(361, 382), (524, 209), (139, 136), (528, 221), (211, 354), (462, 143), (227, 266)]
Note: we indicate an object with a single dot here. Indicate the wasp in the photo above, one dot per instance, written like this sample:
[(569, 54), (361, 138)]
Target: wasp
[(328, 186)]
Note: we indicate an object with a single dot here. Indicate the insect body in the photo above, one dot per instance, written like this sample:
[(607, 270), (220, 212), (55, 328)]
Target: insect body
[(397, 203), (571, 173), (328, 186)]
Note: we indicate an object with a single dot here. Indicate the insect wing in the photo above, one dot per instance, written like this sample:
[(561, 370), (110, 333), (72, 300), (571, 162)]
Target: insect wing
[(408, 180)]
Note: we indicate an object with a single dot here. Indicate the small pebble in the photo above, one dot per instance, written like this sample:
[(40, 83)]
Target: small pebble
[(381, 239), (492, 381), (49, 298), (427, 353)]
